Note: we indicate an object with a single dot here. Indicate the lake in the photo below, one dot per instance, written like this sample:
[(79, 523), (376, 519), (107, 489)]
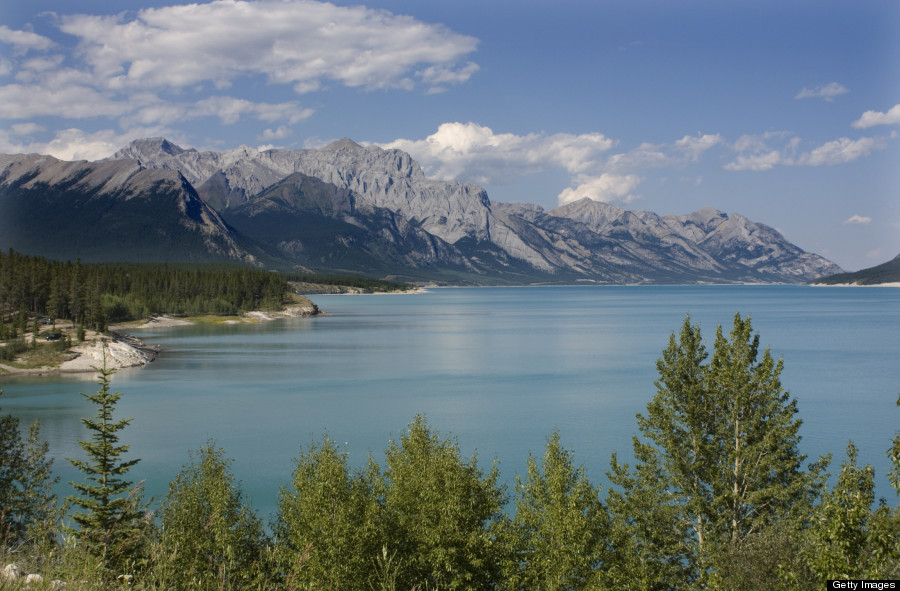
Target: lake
[(497, 368)]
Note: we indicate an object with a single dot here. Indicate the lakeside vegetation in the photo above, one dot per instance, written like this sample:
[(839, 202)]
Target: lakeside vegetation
[(719, 496), (36, 294)]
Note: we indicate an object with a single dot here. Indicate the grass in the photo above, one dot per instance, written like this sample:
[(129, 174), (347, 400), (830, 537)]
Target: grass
[(44, 355)]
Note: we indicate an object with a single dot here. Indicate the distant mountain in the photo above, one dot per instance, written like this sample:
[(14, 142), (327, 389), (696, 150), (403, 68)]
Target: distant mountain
[(348, 208), (888, 272)]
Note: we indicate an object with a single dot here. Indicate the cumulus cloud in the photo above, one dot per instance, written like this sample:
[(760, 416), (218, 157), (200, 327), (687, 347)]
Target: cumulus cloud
[(470, 151), (858, 220), (873, 118), (474, 152), (607, 187), (23, 41), (303, 43), (827, 92)]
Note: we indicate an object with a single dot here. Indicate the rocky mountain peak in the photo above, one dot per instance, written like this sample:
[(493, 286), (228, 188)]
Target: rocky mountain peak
[(342, 144), (154, 147)]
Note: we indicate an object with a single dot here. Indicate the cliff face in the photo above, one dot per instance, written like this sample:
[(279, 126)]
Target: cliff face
[(345, 207)]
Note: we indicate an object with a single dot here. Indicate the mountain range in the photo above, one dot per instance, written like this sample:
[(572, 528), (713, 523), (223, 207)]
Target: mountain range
[(345, 208)]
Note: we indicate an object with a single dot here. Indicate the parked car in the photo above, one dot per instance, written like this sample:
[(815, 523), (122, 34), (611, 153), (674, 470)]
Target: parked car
[(54, 336)]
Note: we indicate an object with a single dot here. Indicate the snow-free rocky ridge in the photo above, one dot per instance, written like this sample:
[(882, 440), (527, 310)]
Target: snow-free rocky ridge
[(350, 208)]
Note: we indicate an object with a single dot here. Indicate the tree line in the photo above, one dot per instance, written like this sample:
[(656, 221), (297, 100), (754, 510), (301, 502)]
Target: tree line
[(96, 294), (718, 496)]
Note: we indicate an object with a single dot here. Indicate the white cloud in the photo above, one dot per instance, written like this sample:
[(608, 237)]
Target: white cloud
[(873, 118), (76, 144), (23, 41), (606, 187), (472, 152), (827, 92), (270, 135), (756, 153), (646, 155), (695, 146), (840, 151), (756, 162), (858, 220), (297, 42), (230, 110), (73, 101)]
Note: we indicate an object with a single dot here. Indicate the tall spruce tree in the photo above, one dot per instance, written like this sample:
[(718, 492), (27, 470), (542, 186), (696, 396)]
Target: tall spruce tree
[(110, 521), (723, 437)]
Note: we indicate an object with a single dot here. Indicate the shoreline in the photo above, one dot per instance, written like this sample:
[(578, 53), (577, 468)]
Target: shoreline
[(121, 350)]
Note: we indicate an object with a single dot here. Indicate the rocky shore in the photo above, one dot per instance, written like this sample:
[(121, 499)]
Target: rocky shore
[(119, 349)]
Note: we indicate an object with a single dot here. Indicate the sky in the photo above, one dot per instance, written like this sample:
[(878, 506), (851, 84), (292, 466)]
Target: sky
[(786, 112)]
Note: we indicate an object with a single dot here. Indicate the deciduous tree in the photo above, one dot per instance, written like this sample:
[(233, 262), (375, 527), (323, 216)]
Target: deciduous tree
[(559, 533), (209, 538), (720, 455), (440, 510)]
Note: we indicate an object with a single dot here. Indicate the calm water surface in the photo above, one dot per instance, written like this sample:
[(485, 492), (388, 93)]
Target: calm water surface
[(497, 368)]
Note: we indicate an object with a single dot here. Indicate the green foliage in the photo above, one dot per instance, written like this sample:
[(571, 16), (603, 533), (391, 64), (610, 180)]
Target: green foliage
[(839, 532), (209, 539), (374, 285), (721, 460), (95, 295), (111, 520), (329, 525), (27, 504), (893, 454), (558, 535), (440, 510)]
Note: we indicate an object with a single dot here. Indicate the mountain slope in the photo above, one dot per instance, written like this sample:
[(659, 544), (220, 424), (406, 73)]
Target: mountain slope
[(888, 272), (107, 211)]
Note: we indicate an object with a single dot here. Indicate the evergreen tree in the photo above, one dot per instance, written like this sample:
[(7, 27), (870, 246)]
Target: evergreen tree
[(560, 528), (722, 437), (209, 539), (110, 520), (329, 526)]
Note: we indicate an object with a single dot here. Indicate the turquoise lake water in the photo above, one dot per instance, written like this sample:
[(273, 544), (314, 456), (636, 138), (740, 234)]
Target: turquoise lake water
[(497, 368)]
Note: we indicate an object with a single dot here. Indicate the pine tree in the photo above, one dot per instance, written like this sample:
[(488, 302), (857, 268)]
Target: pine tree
[(110, 522)]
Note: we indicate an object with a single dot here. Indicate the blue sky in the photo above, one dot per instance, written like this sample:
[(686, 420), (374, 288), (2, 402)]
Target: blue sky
[(785, 112)]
